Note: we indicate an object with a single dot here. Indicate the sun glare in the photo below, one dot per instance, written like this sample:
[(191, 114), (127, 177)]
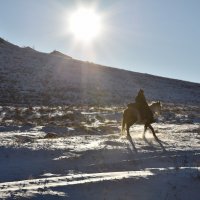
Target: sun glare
[(85, 24)]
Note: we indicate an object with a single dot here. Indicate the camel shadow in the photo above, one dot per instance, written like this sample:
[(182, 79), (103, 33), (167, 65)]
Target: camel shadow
[(157, 140), (129, 138)]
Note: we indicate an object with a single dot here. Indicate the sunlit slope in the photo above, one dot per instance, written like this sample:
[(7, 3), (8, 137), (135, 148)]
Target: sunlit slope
[(31, 77)]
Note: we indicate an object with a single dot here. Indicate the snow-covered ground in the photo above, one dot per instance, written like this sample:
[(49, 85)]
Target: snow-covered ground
[(71, 152)]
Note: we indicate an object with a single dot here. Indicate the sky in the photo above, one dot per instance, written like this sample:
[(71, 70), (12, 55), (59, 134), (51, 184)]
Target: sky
[(156, 37)]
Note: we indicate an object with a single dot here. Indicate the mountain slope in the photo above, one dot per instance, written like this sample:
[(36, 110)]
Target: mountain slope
[(31, 77)]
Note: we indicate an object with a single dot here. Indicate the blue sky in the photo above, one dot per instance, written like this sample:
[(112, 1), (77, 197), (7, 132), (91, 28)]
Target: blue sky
[(157, 37)]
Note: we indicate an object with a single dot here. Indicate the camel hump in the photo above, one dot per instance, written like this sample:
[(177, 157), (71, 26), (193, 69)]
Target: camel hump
[(131, 105)]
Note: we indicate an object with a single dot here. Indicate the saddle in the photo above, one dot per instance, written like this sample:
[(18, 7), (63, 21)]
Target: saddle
[(132, 105)]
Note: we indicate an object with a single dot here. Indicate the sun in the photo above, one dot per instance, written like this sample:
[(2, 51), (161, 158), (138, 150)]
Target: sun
[(85, 24)]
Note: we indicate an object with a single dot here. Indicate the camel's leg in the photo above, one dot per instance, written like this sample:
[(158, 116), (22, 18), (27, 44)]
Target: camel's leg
[(145, 129), (156, 138), (127, 129), (128, 125), (152, 130)]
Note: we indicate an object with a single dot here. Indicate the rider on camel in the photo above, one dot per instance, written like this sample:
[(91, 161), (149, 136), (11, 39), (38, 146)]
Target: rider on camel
[(143, 107)]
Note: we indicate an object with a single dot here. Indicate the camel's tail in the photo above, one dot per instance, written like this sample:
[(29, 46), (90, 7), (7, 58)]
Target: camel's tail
[(123, 125)]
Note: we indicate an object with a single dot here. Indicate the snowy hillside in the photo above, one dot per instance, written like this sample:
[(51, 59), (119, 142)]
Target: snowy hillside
[(34, 78)]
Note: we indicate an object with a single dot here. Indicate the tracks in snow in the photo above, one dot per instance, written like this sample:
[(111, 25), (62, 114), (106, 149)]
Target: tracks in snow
[(75, 179)]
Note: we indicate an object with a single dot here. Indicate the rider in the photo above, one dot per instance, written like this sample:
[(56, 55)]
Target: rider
[(143, 107)]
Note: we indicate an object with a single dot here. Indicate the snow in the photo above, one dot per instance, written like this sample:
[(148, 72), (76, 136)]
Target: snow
[(95, 161)]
